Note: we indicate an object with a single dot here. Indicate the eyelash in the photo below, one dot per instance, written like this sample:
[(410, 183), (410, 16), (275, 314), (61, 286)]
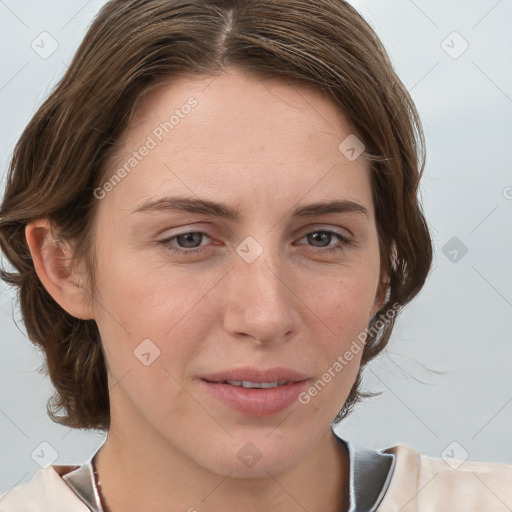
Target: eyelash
[(347, 242)]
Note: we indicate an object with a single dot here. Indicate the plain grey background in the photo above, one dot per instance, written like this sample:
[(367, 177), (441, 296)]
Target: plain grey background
[(455, 59)]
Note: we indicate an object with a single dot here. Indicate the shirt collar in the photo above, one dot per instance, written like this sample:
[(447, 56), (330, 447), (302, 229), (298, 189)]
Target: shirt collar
[(370, 473)]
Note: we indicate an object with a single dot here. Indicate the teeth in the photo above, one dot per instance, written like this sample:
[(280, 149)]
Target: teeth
[(249, 384)]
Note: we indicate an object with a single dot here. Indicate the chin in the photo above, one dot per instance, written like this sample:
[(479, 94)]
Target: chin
[(255, 459)]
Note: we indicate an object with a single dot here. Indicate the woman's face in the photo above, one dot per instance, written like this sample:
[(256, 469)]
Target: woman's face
[(187, 289)]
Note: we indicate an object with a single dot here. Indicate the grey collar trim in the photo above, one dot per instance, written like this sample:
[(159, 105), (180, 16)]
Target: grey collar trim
[(81, 480), (370, 474)]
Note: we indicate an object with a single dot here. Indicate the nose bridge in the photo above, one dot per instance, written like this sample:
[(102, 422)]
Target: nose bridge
[(259, 302)]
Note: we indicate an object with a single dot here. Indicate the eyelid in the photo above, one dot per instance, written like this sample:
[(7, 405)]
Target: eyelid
[(328, 227), (185, 231), (305, 229), (346, 240)]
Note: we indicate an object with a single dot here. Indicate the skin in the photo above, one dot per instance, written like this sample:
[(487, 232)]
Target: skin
[(266, 147)]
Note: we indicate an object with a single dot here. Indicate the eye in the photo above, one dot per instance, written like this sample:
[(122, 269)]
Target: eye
[(189, 238), (323, 236), (189, 243)]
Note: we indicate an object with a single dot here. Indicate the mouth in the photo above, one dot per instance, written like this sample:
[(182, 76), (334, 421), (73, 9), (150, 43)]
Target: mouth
[(247, 384), (248, 376), (255, 392)]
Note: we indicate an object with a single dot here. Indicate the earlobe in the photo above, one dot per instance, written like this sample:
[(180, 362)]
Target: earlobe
[(52, 262)]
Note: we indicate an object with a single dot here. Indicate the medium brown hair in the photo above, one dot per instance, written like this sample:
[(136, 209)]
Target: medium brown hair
[(63, 154)]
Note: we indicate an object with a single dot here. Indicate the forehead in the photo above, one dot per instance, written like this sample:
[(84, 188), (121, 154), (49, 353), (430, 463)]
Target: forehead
[(239, 134), (243, 101)]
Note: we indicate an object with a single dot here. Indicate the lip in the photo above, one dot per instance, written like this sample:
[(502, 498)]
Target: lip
[(257, 375), (256, 402)]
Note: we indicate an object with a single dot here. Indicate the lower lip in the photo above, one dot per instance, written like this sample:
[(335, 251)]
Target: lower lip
[(256, 402)]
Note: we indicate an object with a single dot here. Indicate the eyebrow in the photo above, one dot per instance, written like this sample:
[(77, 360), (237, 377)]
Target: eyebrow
[(228, 212)]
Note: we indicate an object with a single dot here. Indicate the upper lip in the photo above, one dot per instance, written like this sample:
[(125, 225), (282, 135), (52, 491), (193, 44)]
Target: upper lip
[(252, 374)]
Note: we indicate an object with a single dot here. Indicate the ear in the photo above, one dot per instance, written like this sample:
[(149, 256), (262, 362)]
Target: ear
[(52, 261), (380, 295)]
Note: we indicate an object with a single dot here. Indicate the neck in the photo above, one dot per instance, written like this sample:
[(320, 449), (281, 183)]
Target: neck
[(140, 475)]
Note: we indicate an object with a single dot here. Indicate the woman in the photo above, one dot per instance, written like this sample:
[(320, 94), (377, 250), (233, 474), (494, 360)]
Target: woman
[(221, 196)]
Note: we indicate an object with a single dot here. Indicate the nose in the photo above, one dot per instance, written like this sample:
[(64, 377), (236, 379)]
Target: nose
[(259, 302)]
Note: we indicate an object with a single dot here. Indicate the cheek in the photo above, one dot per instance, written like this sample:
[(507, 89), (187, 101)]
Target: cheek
[(158, 303), (341, 320), (151, 329), (343, 300), (145, 291), (341, 308)]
